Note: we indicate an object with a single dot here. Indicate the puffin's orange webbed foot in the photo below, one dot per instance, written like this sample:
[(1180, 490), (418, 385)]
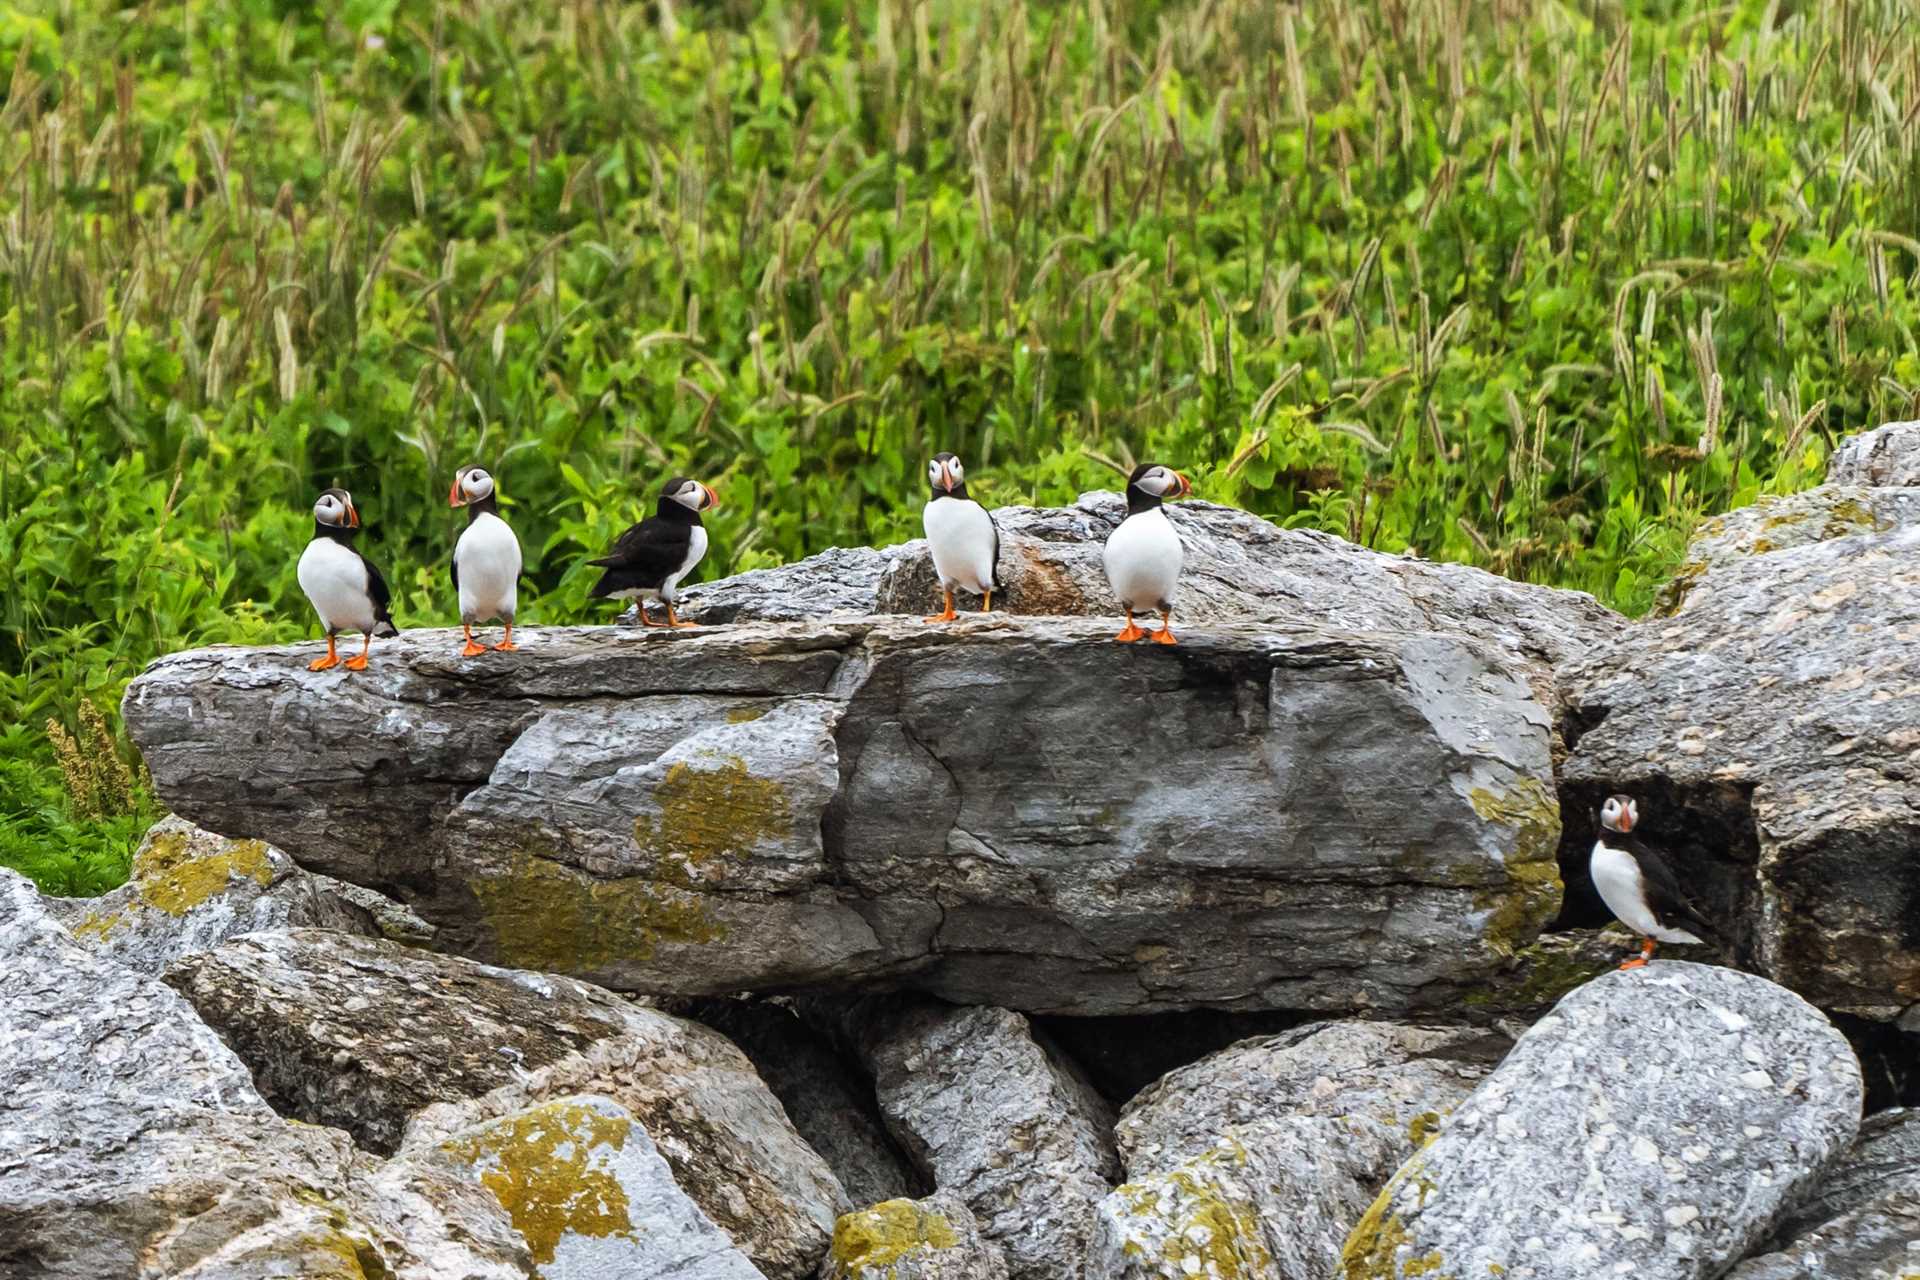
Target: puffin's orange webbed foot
[(327, 663), (474, 648), (945, 615), (506, 646), (673, 621), (1638, 962), (358, 662), (1132, 631)]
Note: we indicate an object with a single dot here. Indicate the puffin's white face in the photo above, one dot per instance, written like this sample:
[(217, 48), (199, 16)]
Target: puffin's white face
[(1620, 814), (1163, 482), (946, 473), (335, 507), (470, 485), (694, 496)]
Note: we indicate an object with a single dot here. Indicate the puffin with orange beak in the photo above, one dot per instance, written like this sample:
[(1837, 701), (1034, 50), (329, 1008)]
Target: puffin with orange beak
[(1639, 887), (1143, 555), (649, 560), (346, 589), (486, 560), (961, 536)]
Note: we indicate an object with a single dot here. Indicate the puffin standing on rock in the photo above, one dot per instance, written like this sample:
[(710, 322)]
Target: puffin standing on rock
[(649, 560), (486, 560), (961, 535), (346, 589), (1143, 554), (1639, 887)]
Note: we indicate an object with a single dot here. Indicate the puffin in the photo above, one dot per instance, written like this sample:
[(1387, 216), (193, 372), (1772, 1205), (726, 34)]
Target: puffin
[(1143, 553), (649, 560), (486, 560), (961, 535), (345, 587), (1639, 887)]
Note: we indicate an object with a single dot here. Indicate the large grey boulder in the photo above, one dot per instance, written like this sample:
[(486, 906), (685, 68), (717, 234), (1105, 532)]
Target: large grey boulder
[(1887, 455), (1257, 1161), (1863, 1219), (1767, 725), (623, 1213), (932, 1239), (994, 1116), (1238, 568), (1657, 1123), (133, 1144), (402, 1048), (1013, 811), (191, 889)]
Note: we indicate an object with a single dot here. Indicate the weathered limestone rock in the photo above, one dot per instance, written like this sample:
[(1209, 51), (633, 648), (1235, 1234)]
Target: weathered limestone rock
[(403, 1048), (132, 1143), (191, 890), (1256, 1161), (1887, 455), (931, 1239), (1013, 811), (1657, 1122), (994, 1117), (1770, 729), (1863, 1219), (588, 1191), (1239, 568), (1404, 1077), (831, 1105)]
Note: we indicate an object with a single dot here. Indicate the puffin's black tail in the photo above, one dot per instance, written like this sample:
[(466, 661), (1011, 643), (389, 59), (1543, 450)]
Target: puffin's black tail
[(384, 627)]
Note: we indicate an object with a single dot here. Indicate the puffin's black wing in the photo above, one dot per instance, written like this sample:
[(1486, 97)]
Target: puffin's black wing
[(643, 556), (1664, 894), (453, 567), (381, 597)]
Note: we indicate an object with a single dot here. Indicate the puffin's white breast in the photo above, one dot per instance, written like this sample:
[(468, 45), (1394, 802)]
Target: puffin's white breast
[(1143, 559), (335, 580), (960, 536), (696, 551), (488, 559), (1617, 876)]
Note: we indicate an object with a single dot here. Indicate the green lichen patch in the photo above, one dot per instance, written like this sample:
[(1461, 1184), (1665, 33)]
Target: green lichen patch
[(709, 817), (1373, 1246), (745, 715), (548, 1169), (870, 1242), (1208, 1232), (1533, 891), (545, 915), (1421, 1129), (170, 877)]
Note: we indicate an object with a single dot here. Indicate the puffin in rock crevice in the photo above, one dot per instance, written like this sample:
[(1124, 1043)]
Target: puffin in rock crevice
[(486, 560), (649, 560), (1639, 886), (345, 587), (961, 535), (1143, 555)]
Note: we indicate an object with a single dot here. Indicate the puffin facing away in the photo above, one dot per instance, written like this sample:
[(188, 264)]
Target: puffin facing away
[(346, 589), (961, 536), (486, 560), (1143, 554), (649, 560), (1639, 887)]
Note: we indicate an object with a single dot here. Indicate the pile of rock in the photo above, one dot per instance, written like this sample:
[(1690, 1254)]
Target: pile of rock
[(483, 1017)]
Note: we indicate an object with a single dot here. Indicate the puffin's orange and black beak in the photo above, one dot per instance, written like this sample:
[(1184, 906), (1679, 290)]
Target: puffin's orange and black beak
[(1186, 485), (946, 476), (713, 499), (454, 497), (353, 516)]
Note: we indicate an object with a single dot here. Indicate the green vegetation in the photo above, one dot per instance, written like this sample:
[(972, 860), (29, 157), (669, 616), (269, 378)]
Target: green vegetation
[(1529, 285)]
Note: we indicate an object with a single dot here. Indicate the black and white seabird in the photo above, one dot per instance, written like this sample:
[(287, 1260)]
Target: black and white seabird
[(1143, 554), (961, 535), (1639, 887), (486, 559), (650, 559), (346, 589)]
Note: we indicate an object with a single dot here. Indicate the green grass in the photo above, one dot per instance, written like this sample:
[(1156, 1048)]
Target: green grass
[(1534, 291)]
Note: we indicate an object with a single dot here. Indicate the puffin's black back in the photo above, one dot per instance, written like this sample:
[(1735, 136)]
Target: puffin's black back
[(644, 556)]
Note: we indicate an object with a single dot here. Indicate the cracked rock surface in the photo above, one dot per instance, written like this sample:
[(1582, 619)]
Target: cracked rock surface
[(1011, 811)]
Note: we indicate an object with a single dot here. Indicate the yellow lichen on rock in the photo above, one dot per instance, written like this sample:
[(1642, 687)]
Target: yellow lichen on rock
[(1369, 1253), (1534, 889), (174, 872), (547, 1168), (707, 815), (545, 915), (1210, 1234), (869, 1242)]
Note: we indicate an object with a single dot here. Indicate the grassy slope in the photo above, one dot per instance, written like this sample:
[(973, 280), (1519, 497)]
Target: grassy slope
[(1533, 292)]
